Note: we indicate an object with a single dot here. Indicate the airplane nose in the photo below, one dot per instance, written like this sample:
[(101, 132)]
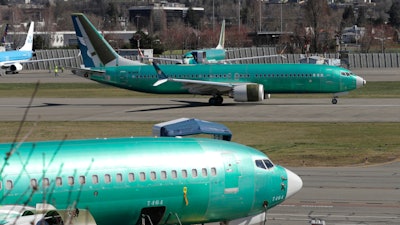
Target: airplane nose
[(294, 183), (360, 82)]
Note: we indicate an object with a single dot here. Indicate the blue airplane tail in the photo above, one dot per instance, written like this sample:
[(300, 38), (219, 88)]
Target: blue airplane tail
[(28, 46), (95, 50)]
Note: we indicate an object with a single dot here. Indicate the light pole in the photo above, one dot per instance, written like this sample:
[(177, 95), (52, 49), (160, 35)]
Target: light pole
[(137, 22)]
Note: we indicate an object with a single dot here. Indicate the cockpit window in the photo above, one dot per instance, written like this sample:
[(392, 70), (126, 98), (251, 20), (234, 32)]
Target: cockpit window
[(260, 164), (264, 164), (268, 163)]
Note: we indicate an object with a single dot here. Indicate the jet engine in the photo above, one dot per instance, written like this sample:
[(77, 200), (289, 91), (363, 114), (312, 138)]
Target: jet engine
[(15, 68), (44, 214), (248, 93)]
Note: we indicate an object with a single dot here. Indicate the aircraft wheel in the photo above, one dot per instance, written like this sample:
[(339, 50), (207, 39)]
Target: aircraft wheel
[(219, 100), (216, 100), (212, 101), (334, 101)]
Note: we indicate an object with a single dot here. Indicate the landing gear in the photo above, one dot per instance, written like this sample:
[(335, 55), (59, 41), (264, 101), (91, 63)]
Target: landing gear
[(216, 100), (334, 100)]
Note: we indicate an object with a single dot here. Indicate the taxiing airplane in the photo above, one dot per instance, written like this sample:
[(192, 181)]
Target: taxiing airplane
[(242, 82), (143, 180)]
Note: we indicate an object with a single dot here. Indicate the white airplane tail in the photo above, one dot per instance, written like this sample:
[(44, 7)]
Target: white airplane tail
[(28, 46), (95, 50), (221, 36)]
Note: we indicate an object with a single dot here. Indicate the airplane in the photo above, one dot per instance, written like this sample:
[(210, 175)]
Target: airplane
[(211, 55), (141, 180), (242, 82), (11, 61)]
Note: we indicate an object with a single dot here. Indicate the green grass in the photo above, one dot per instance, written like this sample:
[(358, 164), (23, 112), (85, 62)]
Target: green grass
[(92, 90), (289, 144)]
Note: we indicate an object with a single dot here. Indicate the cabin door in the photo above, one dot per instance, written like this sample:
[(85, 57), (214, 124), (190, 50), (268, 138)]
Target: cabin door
[(151, 215), (123, 77), (232, 173)]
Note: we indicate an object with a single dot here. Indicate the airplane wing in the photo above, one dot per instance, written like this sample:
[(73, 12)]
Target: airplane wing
[(195, 86)]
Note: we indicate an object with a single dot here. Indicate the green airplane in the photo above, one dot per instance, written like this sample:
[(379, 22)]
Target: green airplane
[(141, 180), (212, 55), (242, 82)]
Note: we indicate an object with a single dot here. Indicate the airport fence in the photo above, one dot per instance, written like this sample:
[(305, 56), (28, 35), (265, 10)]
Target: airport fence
[(356, 60)]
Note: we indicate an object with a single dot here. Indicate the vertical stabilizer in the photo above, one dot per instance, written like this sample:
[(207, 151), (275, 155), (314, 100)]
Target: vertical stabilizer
[(28, 46), (221, 36), (95, 50)]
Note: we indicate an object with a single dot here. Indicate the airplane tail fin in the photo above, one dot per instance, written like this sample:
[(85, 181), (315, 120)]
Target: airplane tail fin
[(221, 36), (28, 46), (95, 50)]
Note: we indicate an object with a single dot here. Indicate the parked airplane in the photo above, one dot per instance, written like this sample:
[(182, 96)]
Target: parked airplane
[(212, 55), (11, 61), (242, 82), (144, 180)]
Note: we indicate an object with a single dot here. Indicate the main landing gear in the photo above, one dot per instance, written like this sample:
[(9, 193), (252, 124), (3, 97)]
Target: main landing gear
[(216, 100), (334, 100)]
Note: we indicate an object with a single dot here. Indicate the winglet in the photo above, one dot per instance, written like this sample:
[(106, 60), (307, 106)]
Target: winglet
[(162, 78), (221, 36), (28, 46)]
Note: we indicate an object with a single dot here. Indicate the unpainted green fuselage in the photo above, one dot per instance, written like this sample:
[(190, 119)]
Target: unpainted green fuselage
[(199, 180), (276, 78)]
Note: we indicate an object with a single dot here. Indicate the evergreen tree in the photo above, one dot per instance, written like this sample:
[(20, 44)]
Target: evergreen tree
[(394, 14)]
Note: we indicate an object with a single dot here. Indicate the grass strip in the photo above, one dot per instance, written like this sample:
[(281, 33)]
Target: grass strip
[(289, 144)]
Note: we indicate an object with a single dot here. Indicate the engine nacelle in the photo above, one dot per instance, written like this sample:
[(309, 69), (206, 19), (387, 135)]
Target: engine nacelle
[(248, 93), (44, 214), (15, 68)]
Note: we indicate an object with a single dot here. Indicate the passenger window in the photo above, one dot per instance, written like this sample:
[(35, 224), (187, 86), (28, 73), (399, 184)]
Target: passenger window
[(163, 175), (107, 178), (95, 179), (204, 172), (142, 176), (9, 185), (71, 180), (184, 173), (174, 174), (153, 175), (119, 177), (194, 173), (82, 179), (213, 171), (58, 181), (131, 177), (46, 182), (34, 183)]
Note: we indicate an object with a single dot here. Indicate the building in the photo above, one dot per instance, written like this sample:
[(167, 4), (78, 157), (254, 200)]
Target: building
[(154, 17)]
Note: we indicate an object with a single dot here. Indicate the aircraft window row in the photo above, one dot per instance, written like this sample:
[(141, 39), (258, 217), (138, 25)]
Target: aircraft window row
[(346, 73), (153, 175), (264, 164), (236, 75), (289, 75)]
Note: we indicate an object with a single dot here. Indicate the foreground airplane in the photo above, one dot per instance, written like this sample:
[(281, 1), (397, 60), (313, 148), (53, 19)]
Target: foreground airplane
[(242, 82), (141, 180)]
